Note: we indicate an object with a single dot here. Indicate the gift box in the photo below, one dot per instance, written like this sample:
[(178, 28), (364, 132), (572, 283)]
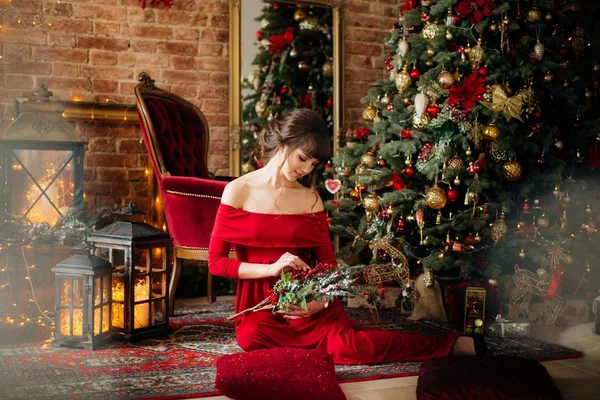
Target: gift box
[(471, 318), (501, 327)]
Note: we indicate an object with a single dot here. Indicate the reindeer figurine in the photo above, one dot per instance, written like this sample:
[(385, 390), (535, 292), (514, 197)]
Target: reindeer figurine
[(542, 284)]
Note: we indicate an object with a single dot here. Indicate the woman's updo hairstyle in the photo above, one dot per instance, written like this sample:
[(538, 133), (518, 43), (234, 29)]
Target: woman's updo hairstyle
[(302, 129)]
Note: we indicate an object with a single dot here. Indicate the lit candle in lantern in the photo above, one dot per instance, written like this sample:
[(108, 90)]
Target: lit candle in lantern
[(141, 311)]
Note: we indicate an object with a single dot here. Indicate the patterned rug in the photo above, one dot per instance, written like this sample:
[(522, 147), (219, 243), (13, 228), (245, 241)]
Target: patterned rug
[(183, 365)]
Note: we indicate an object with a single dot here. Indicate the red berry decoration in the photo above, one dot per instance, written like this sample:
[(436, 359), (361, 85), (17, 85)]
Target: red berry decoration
[(258, 35), (390, 107), (433, 110), (414, 74), (453, 194), (400, 226), (329, 102), (537, 114), (409, 171), (473, 168), (482, 71), (283, 90), (425, 152), (275, 6)]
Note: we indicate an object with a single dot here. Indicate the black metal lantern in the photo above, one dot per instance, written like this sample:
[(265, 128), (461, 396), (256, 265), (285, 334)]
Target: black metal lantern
[(141, 255), (41, 162), (82, 302)]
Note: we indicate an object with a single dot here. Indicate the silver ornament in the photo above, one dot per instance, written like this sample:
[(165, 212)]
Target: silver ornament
[(403, 47), (538, 51)]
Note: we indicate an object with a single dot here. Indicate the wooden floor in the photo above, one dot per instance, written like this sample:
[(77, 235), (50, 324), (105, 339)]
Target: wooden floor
[(577, 379)]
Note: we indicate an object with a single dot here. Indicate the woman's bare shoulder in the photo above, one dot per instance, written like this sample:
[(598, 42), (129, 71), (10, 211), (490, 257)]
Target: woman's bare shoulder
[(235, 192), (312, 200)]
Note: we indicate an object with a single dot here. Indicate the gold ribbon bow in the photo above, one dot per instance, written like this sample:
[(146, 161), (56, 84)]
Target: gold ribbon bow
[(510, 106)]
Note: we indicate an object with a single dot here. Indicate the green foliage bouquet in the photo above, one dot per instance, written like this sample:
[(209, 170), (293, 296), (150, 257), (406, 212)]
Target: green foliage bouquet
[(322, 282)]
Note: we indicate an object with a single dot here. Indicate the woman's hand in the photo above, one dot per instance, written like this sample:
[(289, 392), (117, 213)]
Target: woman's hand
[(286, 263), (297, 312)]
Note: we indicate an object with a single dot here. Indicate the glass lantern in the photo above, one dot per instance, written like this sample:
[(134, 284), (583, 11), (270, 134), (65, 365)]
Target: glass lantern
[(41, 162), (82, 302), (141, 255)]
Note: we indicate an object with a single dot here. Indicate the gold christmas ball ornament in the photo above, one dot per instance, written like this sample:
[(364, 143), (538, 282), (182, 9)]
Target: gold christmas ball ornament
[(247, 167), (512, 170), (435, 198), (430, 52), (493, 282), (403, 81), (490, 132), (368, 159), (299, 15), (534, 15), (457, 181), (449, 35), (420, 122), (429, 31), (260, 107), (549, 16), (543, 221), (596, 67), (445, 79), (428, 63), (522, 253), (327, 69), (493, 27), (548, 77), (369, 113), (559, 144), (499, 230), (370, 202)]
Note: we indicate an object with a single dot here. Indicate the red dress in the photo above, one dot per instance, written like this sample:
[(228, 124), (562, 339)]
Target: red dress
[(263, 238)]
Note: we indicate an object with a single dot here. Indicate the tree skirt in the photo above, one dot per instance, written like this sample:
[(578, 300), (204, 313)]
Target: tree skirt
[(183, 364)]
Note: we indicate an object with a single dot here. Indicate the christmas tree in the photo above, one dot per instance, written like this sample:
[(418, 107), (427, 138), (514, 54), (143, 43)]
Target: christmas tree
[(470, 157), (293, 69)]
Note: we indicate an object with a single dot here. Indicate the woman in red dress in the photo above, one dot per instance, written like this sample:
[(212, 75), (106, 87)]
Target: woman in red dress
[(276, 224)]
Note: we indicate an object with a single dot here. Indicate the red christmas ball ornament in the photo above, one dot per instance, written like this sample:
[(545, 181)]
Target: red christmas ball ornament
[(355, 195), (284, 90), (258, 35), (409, 171), (414, 74), (537, 113), (541, 160), (482, 71), (536, 128), (276, 6), (329, 102), (433, 110), (526, 207), (563, 51), (406, 133), (328, 165), (453, 194), (470, 239), (363, 188)]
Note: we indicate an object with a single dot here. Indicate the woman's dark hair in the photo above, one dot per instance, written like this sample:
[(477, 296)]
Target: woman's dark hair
[(302, 129)]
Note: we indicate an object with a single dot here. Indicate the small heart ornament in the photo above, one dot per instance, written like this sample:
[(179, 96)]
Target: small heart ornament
[(333, 185)]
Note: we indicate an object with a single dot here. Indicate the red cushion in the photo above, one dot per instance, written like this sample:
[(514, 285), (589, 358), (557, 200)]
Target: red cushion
[(278, 374), (492, 378)]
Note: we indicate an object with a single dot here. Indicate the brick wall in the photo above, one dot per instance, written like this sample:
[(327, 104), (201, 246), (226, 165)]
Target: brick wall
[(94, 52), (366, 25)]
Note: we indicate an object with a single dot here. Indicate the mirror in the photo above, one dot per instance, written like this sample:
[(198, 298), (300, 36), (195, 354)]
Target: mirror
[(283, 55)]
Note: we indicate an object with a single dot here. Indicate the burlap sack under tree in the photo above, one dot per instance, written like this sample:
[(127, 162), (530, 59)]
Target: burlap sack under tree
[(429, 304)]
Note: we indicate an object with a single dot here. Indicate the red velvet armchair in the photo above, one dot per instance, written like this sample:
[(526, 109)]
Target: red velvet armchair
[(176, 136)]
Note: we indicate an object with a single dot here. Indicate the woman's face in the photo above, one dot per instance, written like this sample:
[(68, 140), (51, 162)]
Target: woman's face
[(298, 164)]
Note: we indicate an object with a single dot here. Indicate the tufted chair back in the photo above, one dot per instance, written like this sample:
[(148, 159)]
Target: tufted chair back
[(178, 142)]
